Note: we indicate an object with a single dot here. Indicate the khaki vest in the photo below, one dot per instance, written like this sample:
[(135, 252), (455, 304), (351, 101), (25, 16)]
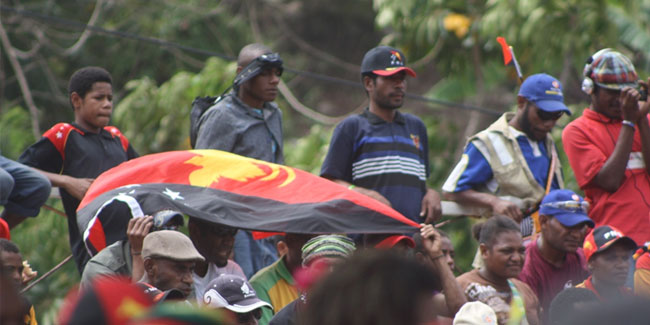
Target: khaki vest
[(500, 147)]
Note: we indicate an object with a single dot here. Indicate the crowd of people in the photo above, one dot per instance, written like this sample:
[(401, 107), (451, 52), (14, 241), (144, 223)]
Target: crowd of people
[(558, 259)]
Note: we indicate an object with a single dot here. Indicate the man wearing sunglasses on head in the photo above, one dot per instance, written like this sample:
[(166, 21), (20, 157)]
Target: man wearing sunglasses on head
[(609, 145), (554, 260), (514, 156), (247, 122)]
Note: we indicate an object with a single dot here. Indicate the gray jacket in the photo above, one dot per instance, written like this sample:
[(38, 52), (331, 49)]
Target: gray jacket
[(232, 126)]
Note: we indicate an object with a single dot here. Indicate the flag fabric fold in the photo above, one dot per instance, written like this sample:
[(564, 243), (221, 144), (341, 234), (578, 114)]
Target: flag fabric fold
[(241, 192)]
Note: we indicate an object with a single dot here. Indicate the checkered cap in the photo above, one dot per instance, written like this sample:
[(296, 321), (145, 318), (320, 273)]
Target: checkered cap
[(612, 70)]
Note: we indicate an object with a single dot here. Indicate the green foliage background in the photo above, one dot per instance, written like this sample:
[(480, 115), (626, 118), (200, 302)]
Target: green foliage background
[(154, 86)]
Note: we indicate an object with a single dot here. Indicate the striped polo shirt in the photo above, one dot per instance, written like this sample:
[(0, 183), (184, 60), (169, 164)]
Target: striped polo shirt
[(388, 157)]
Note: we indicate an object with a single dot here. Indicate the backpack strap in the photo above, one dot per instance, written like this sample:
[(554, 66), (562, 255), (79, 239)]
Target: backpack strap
[(58, 135), (115, 132)]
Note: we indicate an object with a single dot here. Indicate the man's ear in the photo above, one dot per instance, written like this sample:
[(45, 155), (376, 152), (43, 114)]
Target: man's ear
[(484, 250), (149, 265), (521, 102), (368, 83), (239, 69), (420, 257), (543, 221), (76, 100), (282, 248)]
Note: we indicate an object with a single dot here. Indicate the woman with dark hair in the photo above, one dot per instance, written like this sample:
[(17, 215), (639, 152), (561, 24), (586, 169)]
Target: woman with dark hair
[(495, 283)]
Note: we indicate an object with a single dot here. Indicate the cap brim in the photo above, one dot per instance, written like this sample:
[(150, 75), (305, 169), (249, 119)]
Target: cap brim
[(247, 305), (625, 239), (392, 71), (572, 219), (616, 86), (552, 106), (394, 240)]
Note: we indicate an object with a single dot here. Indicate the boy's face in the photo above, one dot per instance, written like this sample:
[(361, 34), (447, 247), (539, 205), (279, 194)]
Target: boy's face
[(93, 111)]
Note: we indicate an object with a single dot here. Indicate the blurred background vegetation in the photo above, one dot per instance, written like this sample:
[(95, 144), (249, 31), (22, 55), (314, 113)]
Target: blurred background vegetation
[(450, 43)]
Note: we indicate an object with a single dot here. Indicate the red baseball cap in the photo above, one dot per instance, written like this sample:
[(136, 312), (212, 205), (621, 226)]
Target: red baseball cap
[(391, 241), (602, 238)]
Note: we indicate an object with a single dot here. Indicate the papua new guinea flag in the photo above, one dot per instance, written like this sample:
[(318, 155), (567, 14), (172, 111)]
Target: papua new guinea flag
[(241, 192)]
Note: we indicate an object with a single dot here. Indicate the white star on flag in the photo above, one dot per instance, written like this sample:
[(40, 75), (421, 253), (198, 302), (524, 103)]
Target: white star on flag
[(59, 135), (173, 195)]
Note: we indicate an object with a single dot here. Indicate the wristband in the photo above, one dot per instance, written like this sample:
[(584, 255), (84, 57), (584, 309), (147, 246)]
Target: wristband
[(136, 253), (351, 186), (628, 123)]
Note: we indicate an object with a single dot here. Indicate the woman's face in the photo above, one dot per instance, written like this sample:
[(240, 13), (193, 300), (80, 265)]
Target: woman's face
[(505, 258)]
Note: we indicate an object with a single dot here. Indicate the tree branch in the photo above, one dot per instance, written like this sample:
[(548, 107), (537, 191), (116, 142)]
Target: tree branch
[(22, 81), (84, 36)]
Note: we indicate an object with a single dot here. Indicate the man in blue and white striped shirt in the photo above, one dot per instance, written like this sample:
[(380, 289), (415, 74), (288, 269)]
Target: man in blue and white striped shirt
[(383, 153)]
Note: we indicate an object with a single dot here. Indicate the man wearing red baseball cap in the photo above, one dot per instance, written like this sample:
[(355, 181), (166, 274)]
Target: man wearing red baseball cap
[(608, 253), (382, 152)]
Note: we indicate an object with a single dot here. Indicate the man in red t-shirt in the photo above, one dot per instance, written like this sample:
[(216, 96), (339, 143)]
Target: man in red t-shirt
[(554, 260), (609, 146)]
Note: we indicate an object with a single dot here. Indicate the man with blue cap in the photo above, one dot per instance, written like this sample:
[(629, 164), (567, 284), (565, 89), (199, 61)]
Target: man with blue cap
[(554, 260), (514, 156)]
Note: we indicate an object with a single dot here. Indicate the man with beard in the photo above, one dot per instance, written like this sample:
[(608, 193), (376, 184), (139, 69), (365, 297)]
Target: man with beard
[(381, 152), (514, 156), (215, 243)]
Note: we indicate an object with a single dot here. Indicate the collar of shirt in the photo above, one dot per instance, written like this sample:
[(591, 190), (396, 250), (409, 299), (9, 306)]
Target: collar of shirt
[(374, 119), (593, 115), (254, 112), (102, 131)]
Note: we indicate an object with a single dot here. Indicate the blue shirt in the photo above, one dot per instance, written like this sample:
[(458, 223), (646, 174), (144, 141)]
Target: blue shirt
[(388, 157), (478, 170)]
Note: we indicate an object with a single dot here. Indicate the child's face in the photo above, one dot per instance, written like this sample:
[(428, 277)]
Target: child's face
[(93, 111)]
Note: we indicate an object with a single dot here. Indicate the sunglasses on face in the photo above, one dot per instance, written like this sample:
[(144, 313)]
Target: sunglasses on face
[(244, 317), (547, 116)]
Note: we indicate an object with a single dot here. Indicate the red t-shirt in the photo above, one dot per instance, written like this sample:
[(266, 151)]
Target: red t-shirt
[(589, 141), (546, 280)]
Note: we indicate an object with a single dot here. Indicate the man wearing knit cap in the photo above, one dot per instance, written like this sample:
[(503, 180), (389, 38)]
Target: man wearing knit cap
[(319, 255), (609, 145), (169, 259)]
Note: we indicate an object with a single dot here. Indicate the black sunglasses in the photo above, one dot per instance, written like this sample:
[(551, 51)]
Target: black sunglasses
[(547, 116)]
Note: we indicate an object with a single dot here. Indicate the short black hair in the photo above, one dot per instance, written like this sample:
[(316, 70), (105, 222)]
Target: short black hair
[(486, 232), (562, 307), (83, 79), (8, 246)]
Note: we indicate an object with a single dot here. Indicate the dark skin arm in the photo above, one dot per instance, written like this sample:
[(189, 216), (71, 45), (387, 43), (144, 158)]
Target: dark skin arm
[(453, 298), (367, 192), (137, 229), (487, 200), (644, 129), (77, 187), (612, 173), (431, 208)]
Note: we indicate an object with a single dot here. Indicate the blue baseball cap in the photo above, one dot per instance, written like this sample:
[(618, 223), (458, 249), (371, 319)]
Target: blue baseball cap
[(567, 207), (545, 92)]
